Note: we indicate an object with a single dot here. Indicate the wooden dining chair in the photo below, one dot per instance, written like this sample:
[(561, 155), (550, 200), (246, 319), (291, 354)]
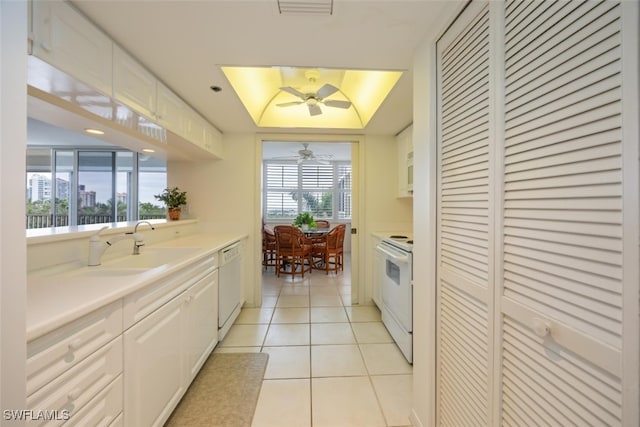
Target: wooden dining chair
[(293, 250), (268, 247), (323, 223), (328, 255)]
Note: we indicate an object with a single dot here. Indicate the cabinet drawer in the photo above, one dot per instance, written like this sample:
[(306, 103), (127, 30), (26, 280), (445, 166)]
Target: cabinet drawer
[(58, 351), (103, 409), (78, 386), (147, 300)]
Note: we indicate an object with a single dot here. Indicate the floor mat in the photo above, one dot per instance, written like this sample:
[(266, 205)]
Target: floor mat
[(224, 393)]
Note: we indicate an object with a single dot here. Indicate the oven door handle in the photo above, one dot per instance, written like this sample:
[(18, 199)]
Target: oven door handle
[(395, 256)]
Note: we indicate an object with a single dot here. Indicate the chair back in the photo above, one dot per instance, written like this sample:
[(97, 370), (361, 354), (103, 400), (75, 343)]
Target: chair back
[(268, 236), (323, 223), (289, 237), (341, 229), (332, 237)]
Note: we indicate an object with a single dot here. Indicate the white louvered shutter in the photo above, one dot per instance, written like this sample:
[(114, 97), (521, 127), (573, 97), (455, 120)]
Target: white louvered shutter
[(537, 246), (464, 229), (563, 218)]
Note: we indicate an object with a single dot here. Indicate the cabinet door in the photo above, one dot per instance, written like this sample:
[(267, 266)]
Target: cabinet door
[(538, 242), (195, 128), (171, 111), (133, 85), (154, 365), (202, 322), (464, 222), (569, 292), (68, 41)]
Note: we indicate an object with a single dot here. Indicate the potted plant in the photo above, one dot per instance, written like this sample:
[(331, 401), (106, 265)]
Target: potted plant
[(174, 199), (304, 220)]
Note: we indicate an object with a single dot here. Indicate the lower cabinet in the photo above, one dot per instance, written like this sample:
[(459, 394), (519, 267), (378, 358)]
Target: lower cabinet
[(130, 362), (164, 351), (154, 365), (201, 332)]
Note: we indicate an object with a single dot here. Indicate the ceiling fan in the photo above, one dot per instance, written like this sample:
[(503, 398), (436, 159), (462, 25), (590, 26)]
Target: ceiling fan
[(306, 155), (313, 99)]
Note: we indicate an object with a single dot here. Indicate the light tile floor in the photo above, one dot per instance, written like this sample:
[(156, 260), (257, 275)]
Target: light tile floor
[(330, 364)]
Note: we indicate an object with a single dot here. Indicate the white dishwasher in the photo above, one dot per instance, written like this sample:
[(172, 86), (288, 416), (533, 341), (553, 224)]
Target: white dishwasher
[(229, 287)]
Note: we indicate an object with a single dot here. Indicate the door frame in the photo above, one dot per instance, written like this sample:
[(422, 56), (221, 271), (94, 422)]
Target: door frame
[(357, 214)]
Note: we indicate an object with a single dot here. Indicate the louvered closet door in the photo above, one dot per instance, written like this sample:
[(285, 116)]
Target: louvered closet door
[(563, 220), (463, 226)]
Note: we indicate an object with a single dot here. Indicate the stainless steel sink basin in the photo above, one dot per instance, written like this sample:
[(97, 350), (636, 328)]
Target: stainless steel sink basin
[(151, 257)]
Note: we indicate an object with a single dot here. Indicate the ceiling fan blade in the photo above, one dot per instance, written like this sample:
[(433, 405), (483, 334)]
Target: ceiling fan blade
[(315, 110), (326, 90), (293, 91), (288, 104), (337, 103)]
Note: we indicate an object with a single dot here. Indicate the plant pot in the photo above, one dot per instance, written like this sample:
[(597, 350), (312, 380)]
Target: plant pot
[(174, 214), (305, 227)]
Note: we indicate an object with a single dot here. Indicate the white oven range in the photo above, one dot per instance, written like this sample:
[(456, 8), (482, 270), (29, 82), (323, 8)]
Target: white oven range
[(397, 290)]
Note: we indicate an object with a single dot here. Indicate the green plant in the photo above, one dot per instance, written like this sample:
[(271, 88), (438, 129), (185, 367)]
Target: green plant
[(304, 218), (172, 197)]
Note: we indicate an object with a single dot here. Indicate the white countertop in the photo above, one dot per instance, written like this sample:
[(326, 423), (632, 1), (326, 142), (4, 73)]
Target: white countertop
[(54, 300)]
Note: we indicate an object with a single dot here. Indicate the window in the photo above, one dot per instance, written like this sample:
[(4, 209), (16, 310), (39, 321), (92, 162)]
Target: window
[(322, 189), (91, 187)]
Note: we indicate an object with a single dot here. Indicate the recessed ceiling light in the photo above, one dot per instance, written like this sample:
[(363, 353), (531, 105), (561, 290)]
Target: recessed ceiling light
[(148, 150), (94, 131)]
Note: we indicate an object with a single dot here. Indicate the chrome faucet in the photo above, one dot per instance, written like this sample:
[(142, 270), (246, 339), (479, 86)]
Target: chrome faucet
[(97, 247), (136, 243)]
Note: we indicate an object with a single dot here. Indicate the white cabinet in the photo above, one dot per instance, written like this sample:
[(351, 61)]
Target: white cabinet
[(154, 365), (202, 323), (404, 142), (73, 368), (171, 337), (133, 85), (65, 39), (171, 110)]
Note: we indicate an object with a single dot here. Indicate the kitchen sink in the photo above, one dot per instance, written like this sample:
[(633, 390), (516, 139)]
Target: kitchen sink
[(100, 271), (151, 257)]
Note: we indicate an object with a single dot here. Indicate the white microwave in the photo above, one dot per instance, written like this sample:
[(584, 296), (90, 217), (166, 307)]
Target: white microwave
[(410, 171)]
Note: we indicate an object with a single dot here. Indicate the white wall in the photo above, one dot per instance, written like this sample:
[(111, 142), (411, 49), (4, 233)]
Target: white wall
[(222, 195), (383, 210), (13, 142), (424, 179)]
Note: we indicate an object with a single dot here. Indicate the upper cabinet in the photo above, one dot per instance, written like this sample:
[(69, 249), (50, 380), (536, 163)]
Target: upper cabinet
[(170, 110), (404, 142), (65, 39), (133, 85)]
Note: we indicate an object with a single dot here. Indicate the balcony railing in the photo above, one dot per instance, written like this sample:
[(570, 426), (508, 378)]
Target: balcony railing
[(49, 220)]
